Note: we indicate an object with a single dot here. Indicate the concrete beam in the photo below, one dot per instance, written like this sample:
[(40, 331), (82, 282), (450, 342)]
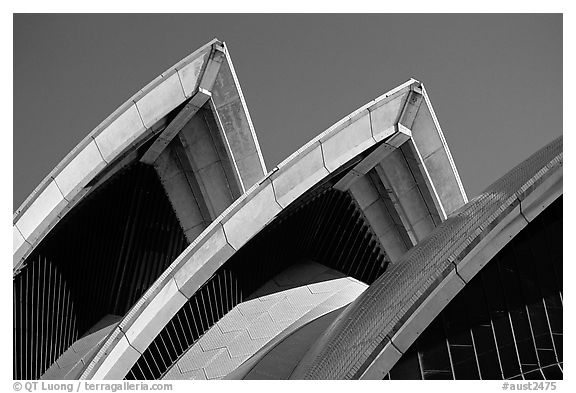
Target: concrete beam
[(80, 170), (217, 56), (191, 72), (210, 254), (225, 152), (194, 104), (445, 183), (411, 151), (293, 179), (251, 215), (20, 247), (384, 115), (410, 109), (347, 140), (118, 362), (41, 213), (237, 126), (182, 189), (202, 154), (120, 133), (158, 102), (373, 199), (393, 142), (154, 317), (398, 206)]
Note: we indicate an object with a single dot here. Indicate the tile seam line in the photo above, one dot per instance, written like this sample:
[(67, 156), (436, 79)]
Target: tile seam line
[(182, 85), (59, 190), (20, 232), (99, 151)]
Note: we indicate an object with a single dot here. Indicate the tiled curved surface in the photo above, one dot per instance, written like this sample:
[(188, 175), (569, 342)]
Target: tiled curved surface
[(280, 361), (251, 325), (311, 164), (389, 315)]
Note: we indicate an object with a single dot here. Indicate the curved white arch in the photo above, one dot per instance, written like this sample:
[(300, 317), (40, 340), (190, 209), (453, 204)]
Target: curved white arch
[(132, 121), (131, 124), (246, 217)]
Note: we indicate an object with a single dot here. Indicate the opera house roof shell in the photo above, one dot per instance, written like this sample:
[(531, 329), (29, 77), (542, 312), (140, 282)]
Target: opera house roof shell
[(162, 247)]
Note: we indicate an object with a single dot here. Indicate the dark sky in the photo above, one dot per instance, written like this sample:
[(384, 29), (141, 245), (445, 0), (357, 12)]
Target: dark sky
[(495, 80)]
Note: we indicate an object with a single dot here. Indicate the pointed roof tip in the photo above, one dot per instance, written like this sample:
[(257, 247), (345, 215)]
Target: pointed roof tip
[(414, 80)]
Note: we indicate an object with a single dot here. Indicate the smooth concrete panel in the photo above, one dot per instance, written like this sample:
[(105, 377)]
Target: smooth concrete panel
[(224, 88), (155, 316), (212, 68), (199, 146), (427, 311), (83, 167), (364, 192), (160, 100), (190, 74), (384, 361), (348, 141), (411, 108), (119, 134), (224, 152), (245, 109), (423, 179), (393, 244), (292, 181), (202, 262), (216, 186), (445, 182), (252, 216), (17, 243), (378, 217), (183, 201), (167, 165), (117, 364), (385, 114), (413, 205), (40, 214), (195, 130), (425, 134), (250, 170), (235, 124), (397, 172)]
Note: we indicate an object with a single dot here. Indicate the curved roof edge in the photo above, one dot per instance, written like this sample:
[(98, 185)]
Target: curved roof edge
[(129, 124), (386, 319), (248, 215)]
